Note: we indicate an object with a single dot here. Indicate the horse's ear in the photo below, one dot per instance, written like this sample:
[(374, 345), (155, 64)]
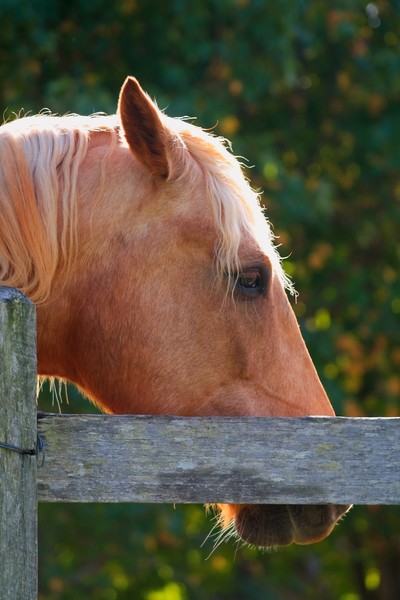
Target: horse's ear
[(144, 131)]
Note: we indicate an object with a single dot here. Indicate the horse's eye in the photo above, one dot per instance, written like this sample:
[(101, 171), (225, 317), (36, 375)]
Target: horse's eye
[(252, 281)]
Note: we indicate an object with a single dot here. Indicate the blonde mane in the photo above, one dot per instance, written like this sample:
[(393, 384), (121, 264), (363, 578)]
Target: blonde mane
[(39, 168), (40, 161)]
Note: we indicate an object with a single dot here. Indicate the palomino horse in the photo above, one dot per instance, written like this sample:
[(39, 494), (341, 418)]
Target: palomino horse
[(157, 285)]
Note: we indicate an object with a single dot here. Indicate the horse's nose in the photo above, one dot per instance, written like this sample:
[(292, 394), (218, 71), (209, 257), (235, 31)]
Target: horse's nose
[(271, 525)]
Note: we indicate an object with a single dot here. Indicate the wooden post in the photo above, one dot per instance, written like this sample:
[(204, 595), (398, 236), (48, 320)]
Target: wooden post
[(18, 497)]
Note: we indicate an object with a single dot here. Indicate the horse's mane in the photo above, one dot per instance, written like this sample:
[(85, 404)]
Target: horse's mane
[(39, 167)]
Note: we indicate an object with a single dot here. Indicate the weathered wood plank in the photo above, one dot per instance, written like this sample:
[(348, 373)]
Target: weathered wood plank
[(18, 501), (239, 460)]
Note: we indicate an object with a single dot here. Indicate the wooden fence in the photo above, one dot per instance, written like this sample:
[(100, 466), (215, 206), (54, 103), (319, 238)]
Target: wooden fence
[(165, 459)]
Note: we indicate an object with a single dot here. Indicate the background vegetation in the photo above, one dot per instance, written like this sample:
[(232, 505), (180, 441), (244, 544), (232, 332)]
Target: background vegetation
[(309, 92)]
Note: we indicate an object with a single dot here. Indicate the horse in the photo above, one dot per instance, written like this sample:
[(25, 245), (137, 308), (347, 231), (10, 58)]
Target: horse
[(158, 286)]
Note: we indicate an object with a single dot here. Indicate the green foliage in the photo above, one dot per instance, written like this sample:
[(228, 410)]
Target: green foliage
[(154, 552), (308, 91)]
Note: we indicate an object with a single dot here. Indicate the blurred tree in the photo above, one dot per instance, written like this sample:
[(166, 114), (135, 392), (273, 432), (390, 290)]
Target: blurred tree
[(309, 92)]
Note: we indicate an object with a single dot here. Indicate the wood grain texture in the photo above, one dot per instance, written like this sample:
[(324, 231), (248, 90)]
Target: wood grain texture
[(18, 501), (238, 460)]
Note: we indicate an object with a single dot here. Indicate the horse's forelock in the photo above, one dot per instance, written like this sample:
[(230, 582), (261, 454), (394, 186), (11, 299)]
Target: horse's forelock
[(235, 205)]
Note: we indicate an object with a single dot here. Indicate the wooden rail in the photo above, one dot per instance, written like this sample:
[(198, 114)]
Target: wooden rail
[(165, 459), (247, 460)]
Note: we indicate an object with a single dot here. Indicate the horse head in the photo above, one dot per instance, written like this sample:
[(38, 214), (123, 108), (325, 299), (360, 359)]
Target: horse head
[(158, 286)]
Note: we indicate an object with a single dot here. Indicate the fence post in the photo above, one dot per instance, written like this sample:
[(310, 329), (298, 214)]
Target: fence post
[(18, 496)]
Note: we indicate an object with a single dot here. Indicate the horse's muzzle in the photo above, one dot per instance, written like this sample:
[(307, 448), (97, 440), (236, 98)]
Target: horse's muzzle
[(281, 525)]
